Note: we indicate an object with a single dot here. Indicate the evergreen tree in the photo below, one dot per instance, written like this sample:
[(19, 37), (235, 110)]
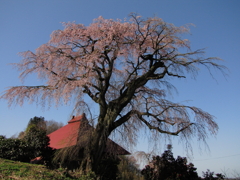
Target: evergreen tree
[(166, 167)]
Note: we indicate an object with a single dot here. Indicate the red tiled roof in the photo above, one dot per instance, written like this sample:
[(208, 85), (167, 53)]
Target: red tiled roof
[(68, 135)]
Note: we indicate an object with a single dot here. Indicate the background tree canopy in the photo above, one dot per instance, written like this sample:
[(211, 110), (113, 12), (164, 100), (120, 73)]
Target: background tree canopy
[(166, 167), (39, 123)]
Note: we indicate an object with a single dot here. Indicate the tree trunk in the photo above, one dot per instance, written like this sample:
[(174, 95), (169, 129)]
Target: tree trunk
[(96, 148)]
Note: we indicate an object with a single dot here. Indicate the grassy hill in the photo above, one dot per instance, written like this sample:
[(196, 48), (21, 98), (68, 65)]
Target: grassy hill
[(13, 170)]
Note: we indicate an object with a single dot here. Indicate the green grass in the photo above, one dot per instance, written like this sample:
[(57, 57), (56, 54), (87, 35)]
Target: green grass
[(13, 170)]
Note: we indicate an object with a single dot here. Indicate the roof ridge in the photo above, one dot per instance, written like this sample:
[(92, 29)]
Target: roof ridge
[(77, 118)]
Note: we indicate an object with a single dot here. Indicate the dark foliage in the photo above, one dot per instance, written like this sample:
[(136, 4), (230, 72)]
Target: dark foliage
[(108, 167), (208, 175), (34, 144), (38, 122), (166, 167), (38, 142), (14, 149), (41, 124)]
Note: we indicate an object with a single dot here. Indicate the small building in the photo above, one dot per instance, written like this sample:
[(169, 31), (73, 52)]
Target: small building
[(70, 134)]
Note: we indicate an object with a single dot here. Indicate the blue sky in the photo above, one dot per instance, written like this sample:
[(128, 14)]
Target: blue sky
[(26, 24)]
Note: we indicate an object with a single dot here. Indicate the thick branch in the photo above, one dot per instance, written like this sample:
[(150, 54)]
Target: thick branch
[(88, 91), (123, 119)]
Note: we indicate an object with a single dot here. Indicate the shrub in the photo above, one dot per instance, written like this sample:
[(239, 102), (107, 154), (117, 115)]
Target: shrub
[(34, 144), (37, 141), (13, 149)]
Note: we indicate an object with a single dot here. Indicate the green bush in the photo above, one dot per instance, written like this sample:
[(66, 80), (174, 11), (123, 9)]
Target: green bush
[(34, 144), (14, 149), (37, 141)]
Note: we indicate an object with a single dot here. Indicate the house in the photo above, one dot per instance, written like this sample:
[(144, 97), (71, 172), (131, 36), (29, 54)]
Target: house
[(74, 131)]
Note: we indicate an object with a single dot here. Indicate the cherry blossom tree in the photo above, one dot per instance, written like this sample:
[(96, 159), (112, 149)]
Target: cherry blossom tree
[(125, 67)]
